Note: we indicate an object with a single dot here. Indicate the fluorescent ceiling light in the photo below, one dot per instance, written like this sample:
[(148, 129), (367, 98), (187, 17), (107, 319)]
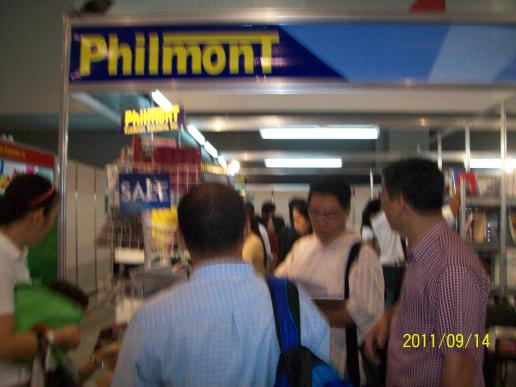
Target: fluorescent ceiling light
[(233, 167), (491, 164), (222, 162), (211, 150), (161, 100), (196, 134), (330, 132), (304, 163)]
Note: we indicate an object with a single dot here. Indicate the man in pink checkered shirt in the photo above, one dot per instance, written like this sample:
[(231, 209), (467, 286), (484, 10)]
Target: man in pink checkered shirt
[(437, 329)]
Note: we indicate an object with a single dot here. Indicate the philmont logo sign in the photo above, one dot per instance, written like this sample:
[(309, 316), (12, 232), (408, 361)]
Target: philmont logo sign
[(142, 53), (152, 120)]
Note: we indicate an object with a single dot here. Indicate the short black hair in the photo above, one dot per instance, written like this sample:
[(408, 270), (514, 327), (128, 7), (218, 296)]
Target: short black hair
[(419, 181), (212, 218), (372, 207), (301, 205), (24, 194), (268, 207), (335, 186), (71, 291)]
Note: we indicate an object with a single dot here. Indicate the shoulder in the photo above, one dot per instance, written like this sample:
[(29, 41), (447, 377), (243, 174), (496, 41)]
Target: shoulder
[(161, 308), (352, 239), (252, 241), (458, 258), (367, 253), (305, 242)]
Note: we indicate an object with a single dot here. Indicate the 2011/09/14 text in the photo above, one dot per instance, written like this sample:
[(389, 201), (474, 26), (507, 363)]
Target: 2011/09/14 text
[(447, 340)]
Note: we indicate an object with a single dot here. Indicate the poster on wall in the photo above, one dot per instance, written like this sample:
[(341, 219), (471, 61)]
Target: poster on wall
[(16, 159)]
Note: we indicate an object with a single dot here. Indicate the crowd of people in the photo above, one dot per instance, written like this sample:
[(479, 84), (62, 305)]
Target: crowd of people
[(406, 272)]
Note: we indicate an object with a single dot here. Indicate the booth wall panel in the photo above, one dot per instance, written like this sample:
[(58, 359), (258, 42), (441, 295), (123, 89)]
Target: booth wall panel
[(86, 227)]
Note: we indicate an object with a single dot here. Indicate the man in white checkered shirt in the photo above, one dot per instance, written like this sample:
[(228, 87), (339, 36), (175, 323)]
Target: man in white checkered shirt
[(437, 330)]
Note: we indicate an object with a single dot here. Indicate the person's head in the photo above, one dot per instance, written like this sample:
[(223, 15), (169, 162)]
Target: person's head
[(268, 210), (371, 209), (300, 217), (251, 218), (413, 184), (329, 204), (31, 202), (72, 292), (212, 220)]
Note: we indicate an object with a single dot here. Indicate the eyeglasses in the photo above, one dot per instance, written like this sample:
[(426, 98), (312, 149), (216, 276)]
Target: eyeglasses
[(328, 216)]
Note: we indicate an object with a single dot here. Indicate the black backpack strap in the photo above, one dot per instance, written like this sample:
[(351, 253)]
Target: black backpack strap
[(352, 363)]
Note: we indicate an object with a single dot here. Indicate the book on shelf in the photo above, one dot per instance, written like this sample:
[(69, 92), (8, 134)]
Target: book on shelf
[(482, 225), (458, 176), (511, 220)]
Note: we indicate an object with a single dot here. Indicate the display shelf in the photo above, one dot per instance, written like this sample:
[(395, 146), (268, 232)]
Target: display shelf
[(487, 201), (492, 247)]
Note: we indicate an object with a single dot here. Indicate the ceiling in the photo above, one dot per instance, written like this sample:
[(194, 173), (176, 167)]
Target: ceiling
[(230, 113), (409, 121)]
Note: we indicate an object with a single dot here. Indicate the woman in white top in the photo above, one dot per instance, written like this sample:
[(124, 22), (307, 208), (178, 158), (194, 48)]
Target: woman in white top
[(27, 213)]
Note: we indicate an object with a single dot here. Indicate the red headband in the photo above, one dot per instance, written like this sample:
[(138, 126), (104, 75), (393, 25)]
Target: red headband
[(41, 198)]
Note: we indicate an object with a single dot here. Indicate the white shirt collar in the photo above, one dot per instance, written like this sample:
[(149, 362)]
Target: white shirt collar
[(10, 250)]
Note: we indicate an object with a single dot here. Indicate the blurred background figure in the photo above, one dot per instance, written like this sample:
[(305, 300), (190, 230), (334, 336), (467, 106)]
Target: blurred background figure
[(300, 226), (254, 251), (274, 225), (377, 232), (263, 235)]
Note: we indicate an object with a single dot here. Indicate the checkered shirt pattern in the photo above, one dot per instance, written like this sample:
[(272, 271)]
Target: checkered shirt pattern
[(215, 330), (445, 291)]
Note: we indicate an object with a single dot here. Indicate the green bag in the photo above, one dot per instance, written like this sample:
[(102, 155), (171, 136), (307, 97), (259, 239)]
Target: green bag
[(38, 304)]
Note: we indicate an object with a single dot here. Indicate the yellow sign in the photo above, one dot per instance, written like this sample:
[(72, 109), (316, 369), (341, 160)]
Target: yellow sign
[(152, 120), (178, 53)]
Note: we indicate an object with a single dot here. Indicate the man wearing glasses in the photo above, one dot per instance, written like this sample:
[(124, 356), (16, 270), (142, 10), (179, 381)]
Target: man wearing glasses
[(318, 263)]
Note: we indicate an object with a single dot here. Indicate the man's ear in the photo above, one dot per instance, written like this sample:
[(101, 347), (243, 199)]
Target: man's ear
[(402, 203), (181, 239)]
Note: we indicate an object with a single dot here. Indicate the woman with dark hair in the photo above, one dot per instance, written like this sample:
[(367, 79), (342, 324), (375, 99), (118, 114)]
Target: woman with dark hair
[(27, 212), (300, 217), (254, 251), (300, 226), (372, 208)]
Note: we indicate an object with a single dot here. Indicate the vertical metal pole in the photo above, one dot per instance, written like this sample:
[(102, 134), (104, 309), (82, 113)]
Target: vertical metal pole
[(63, 146), (467, 157), (440, 151), (462, 187), (371, 182), (95, 228), (76, 226), (503, 197)]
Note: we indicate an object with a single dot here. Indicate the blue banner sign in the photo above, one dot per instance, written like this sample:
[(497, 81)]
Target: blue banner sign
[(141, 192), (361, 53), (188, 52)]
